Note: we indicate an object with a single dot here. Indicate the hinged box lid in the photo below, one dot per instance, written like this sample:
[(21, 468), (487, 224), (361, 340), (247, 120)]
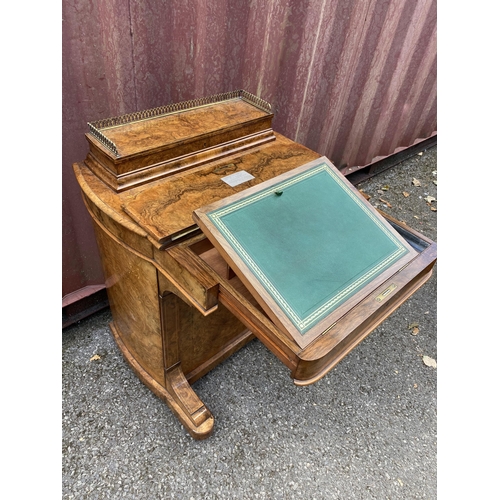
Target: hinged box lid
[(307, 245), (132, 149)]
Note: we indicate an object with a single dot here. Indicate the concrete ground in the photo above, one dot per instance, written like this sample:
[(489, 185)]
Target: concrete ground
[(367, 430)]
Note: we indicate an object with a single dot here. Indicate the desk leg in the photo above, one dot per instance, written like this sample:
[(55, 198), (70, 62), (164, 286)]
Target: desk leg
[(190, 410)]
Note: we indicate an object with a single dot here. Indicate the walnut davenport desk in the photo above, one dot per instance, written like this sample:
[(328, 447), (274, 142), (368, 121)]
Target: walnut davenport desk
[(213, 229)]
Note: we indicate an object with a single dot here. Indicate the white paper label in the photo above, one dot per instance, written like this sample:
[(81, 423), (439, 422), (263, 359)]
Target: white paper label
[(238, 178)]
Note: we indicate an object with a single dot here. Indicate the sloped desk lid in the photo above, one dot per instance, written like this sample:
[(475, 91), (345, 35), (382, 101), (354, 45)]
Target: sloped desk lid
[(307, 246)]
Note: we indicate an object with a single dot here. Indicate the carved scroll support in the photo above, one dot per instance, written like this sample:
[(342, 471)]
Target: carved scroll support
[(189, 408)]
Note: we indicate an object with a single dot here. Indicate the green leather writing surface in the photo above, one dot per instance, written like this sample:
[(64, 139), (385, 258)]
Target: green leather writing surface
[(310, 241)]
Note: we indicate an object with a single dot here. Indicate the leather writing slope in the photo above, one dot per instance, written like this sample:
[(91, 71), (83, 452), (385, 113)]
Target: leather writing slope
[(306, 244)]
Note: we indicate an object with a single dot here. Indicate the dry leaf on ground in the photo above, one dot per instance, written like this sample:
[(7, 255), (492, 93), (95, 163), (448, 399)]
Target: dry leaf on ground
[(429, 199), (414, 328), (386, 202), (415, 182), (366, 195), (429, 361), (405, 194), (95, 357)]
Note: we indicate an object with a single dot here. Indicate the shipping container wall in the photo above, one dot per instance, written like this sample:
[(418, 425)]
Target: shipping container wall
[(354, 80)]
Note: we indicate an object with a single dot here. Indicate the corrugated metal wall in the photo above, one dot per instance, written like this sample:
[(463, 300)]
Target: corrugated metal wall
[(351, 79)]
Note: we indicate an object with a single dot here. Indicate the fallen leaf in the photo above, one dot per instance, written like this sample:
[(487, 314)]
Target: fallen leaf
[(385, 188), (405, 194), (429, 361), (435, 182), (95, 357), (434, 209), (429, 199), (420, 154), (415, 385), (386, 202), (416, 217), (415, 182), (414, 328)]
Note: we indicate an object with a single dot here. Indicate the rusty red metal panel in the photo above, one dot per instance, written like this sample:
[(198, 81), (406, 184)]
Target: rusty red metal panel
[(353, 80)]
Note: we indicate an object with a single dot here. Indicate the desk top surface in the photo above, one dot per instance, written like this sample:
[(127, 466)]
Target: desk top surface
[(164, 208)]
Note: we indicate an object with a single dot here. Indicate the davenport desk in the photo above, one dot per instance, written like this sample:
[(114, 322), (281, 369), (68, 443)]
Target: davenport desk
[(213, 229)]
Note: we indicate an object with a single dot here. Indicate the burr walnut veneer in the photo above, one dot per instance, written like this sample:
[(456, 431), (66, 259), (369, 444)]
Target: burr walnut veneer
[(183, 288)]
